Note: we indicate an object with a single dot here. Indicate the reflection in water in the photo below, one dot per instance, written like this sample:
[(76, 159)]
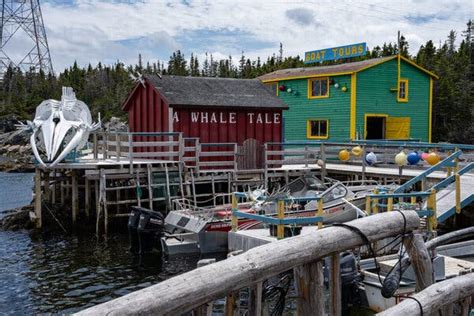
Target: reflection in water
[(67, 274)]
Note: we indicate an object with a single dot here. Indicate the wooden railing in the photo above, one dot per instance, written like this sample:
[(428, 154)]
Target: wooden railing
[(441, 296), (302, 254)]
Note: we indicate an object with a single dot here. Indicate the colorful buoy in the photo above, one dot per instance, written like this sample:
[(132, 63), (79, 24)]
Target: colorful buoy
[(413, 158), (432, 159), (401, 159), (344, 155), (370, 158), (424, 156), (356, 151)]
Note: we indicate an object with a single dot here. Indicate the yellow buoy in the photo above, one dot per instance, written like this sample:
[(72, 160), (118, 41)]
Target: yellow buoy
[(401, 159), (432, 159), (344, 155), (356, 151)]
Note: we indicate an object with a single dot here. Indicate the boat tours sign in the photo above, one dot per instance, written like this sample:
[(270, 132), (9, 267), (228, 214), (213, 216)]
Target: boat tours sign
[(334, 53)]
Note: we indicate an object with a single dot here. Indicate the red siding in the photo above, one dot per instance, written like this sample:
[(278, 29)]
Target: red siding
[(213, 125), (148, 112)]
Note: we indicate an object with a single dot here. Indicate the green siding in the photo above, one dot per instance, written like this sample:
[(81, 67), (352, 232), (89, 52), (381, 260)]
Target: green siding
[(335, 108), (374, 96)]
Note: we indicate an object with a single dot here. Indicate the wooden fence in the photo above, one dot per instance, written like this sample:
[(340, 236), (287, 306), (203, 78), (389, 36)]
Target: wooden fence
[(303, 254)]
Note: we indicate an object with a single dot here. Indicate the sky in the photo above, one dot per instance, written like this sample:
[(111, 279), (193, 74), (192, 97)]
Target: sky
[(91, 31)]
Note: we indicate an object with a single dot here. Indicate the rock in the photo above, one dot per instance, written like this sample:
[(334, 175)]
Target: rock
[(7, 123), (115, 124), (19, 219), (13, 148)]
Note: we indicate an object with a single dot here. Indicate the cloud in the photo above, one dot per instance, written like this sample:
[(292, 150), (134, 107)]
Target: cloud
[(92, 31), (301, 16)]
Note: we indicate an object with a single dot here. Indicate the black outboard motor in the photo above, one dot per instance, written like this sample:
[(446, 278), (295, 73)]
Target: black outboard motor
[(150, 230), (133, 220), (350, 280)]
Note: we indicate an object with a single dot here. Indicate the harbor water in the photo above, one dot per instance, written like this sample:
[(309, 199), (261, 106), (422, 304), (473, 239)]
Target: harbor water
[(63, 274)]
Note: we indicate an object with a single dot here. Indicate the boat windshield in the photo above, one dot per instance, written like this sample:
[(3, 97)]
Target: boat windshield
[(339, 191), (315, 184)]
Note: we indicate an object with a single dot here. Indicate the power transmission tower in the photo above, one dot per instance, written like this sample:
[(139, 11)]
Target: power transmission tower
[(23, 41)]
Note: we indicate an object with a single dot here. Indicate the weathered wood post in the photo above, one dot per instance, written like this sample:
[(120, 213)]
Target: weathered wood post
[(420, 260), (376, 202), (309, 283), (255, 304), (87, 191), (118, 147), (458, 192), (46, 187), (234, 220), (149, 186), (431, 205), (130, 151), (281, 215), (320, 212), (323, 158), (38, 220), (75, 196), (335, 308), (368, 205), (95, 146)]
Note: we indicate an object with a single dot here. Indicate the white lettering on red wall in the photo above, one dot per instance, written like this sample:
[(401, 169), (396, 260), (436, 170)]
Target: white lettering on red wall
[(222, 117)]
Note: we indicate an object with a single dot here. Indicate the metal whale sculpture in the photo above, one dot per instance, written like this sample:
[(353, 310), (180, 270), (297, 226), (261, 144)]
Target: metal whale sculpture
[(59, 127)]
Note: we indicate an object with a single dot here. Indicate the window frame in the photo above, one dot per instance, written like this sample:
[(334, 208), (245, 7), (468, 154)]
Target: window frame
[(308, 129), (310, 88), (405, 99)]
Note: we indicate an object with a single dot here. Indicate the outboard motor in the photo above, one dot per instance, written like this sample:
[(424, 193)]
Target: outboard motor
[(133, 220), (150, 230), (350, 280)]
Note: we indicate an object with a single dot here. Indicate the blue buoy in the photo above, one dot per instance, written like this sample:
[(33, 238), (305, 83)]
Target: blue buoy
[(413, 158)]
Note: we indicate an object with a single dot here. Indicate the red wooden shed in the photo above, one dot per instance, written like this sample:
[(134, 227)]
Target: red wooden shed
[(215, 110)]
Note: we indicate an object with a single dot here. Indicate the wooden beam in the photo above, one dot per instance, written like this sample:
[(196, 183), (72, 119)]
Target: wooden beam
[(191, 289), (309, 283)]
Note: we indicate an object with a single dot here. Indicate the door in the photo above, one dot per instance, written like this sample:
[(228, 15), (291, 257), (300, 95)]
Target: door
[(250, 155), (375, 126), (398, 128)]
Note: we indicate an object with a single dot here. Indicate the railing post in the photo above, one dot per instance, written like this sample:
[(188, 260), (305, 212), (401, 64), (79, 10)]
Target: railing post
[(431, 205), (117, 146), (281, 215), (265, 165), (320, 212), (234, 220), (235, 156), (458, 192), (323, 158), (96, 146), (180, 147), (130, 151), (390, 204), (198, 154), (376, 202), (309, 283)]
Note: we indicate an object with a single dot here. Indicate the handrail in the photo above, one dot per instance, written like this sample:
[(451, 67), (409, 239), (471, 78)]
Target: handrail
[(444, 163), (194, 288), (444, 183), (435, 297)]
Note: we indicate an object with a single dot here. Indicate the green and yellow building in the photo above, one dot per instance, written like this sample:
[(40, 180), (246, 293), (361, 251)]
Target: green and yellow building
[(382, 98)]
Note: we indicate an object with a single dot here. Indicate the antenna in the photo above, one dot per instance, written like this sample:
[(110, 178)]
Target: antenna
[(398, 43), (23, 41)]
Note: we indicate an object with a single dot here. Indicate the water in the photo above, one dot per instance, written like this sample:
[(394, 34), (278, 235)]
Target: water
[(63, 274)]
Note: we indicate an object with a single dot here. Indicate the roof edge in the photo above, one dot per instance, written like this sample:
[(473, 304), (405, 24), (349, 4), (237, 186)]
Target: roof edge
[(355, 71), (125, 104)]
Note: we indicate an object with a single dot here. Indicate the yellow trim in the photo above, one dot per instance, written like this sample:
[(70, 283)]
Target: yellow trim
[(310, 88), (309, 76), (405, 99), (430, 110), (419, 67), (277, 88), (308, 129), (353, 106), (398, 76), (371, 115), (359, 70)]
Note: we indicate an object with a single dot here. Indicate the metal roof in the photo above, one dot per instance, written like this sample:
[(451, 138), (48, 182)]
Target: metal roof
[(215, 92), (346, 68)]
